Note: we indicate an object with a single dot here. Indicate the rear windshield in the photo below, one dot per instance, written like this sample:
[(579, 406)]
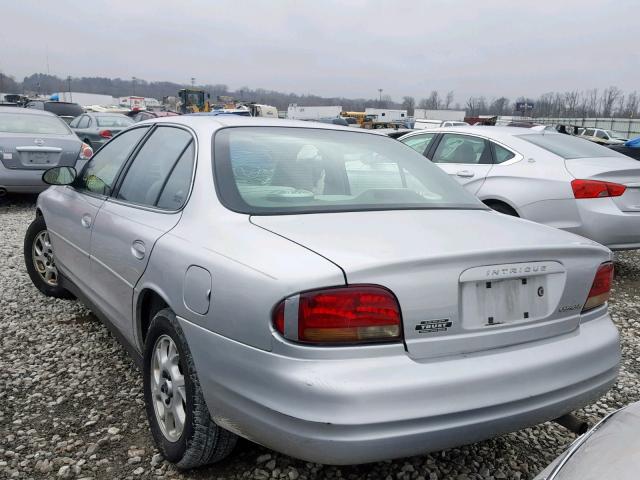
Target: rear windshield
[(36, 124), (568, 147), (105, 121), (274, 170)]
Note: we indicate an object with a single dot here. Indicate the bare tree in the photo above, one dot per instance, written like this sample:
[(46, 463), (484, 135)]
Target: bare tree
[(610, 96), (499, 106), (472, 106), (571, 100), (448, 100), (592, 102), (632, 104), (409, 104)]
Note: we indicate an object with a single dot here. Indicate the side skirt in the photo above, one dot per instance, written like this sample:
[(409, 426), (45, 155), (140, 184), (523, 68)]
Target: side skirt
[(131, 350)]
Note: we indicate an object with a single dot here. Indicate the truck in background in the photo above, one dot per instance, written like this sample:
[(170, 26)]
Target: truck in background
[(84, 99), (295, 112)]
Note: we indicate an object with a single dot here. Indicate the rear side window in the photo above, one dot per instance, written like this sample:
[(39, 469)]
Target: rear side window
[(104, 121), (100, 173), (455, 148), (419, 143), (502, 154), (569, 147), (83, 122), (146, 177), (174, 194)]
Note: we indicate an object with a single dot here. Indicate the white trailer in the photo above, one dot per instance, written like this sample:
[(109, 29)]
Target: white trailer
[(84, 99), (386, 114), (442, 115), (296, 112)]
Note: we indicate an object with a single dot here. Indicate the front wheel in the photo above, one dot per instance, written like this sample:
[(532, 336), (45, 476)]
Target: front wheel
[(40, 261), (178, 415)]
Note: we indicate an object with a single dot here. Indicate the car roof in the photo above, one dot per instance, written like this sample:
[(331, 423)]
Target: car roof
[(216, 122), (104, 114), (496, 133), (25, 111)]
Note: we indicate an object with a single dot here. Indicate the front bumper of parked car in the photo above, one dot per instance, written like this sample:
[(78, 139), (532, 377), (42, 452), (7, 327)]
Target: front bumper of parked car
[(369, 408)]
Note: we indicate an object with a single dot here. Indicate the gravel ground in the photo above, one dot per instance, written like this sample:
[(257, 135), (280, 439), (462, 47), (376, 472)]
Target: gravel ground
[(71, 402)]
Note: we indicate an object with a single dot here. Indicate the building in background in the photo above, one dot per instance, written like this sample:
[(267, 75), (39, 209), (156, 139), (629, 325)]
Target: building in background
[(295, 112)]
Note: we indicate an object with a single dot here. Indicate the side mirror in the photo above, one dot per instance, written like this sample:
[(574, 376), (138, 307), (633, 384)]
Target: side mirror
[(59, 176)]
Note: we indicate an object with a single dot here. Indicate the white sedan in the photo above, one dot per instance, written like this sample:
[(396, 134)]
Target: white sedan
[(550, 178)]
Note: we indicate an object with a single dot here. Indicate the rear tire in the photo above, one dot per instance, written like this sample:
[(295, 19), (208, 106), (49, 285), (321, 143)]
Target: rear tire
[(39, 259), (172, 387), (502, 208)]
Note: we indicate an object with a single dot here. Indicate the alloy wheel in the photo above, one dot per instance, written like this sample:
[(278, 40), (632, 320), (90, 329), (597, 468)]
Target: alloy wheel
[(168, 388), (43, 258)]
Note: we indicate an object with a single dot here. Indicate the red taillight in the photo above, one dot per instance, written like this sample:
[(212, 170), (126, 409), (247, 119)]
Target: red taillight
[(596, 189), (601, 288), (354, 314), (86, 152), (106, 133)]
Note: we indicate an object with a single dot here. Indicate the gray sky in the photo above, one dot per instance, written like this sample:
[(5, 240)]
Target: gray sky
[(332, 47)]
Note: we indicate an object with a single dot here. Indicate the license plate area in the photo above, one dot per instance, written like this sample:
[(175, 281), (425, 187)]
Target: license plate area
[(511, 294), (507, 301), (36, 158)]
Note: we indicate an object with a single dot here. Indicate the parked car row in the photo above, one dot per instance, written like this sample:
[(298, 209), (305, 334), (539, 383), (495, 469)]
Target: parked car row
[(272, 277), (554, 179)]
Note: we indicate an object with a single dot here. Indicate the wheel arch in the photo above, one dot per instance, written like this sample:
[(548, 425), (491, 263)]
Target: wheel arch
[(150, 301)]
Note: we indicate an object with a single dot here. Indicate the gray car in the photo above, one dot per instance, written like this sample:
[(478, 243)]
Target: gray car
[(559, 180), (95, 129), (321, 290), (32, 141)]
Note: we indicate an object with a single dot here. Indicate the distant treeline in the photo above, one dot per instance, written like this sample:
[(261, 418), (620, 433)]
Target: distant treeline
[(610, 102)]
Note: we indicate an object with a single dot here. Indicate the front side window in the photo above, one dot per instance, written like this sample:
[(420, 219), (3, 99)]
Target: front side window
[(419, 143), (100, 173), (34, 124), (455, 148), (279, 170), (602, 135), (569, 147), (150, 169), (589, 132)]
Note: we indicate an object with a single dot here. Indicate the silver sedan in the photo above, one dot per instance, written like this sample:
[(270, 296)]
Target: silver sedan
[(32, 141), (558, 180), (322, 291)]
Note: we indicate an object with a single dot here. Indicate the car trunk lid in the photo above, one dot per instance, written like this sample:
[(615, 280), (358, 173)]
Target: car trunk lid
[(466, 280), (29, 152), (622, 170)]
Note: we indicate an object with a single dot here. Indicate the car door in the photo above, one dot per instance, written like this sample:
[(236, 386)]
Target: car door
[(467, 158), (146, 205), (71, 211)]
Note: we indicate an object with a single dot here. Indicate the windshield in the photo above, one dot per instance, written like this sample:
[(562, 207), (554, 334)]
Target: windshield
[(35, 124), (273, 170), (113, 121), (569, 147), (613, 134)]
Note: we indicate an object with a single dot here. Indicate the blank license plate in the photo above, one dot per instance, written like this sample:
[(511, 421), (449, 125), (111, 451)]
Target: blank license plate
[(511, 300)]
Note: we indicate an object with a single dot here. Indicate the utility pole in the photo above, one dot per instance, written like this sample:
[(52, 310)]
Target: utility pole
[(134, 85), (380, 98), (69, 87), (193, 81)]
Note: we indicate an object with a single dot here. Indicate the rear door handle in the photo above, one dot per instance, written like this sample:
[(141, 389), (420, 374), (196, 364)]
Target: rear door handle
[(86, 220), (138, 249), (465, 174)]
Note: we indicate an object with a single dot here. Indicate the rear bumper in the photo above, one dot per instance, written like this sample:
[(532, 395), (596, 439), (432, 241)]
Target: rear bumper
[(358, 410), (21, 181), (598, 219)]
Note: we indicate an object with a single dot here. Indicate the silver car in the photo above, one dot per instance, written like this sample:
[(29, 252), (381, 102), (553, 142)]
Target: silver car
[(610, 450), (320, 290), (558, 180), (32, 141)]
